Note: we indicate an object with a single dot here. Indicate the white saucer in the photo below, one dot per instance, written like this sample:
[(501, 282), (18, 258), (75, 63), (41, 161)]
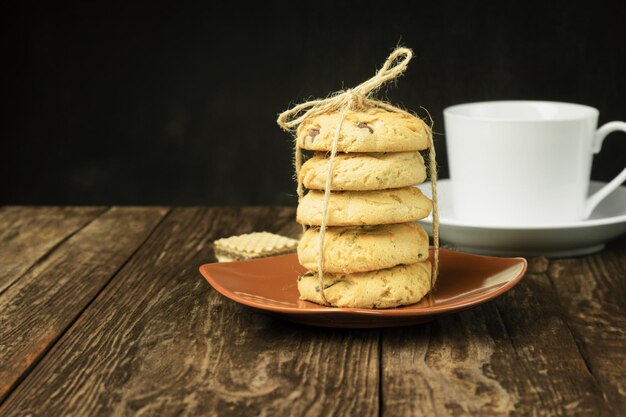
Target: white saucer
[(608, 221)]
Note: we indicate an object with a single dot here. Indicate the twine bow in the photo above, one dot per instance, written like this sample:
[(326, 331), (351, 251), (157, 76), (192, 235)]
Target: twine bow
[(358, 99)]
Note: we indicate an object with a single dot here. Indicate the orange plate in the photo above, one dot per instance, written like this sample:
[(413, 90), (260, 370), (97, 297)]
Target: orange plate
[(269, 284)]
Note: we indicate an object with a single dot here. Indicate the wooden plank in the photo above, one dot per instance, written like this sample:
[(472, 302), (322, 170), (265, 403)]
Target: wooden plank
[(29, 233), (38, 308), (513, 356), (159, 342), (592, 291)]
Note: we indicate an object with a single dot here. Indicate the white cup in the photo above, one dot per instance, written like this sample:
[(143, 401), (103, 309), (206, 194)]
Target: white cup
[(524, 162)]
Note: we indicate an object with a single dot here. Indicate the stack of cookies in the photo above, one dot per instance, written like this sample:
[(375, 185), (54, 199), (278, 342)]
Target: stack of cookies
[(375, 255)]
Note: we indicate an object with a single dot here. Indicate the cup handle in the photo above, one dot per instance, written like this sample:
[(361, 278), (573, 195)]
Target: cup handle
[(599, 195)]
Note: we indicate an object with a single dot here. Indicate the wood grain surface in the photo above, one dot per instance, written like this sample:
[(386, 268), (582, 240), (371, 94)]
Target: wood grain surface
[(37, 308), (160, 342), (511, 357), (592, 293), (29, 233), (115, 320)]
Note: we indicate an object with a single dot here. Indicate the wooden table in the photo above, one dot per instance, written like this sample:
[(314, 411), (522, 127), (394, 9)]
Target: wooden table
[(103, 312)]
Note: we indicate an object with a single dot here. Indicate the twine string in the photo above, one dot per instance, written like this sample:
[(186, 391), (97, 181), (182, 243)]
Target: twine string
[(357, 99), (432, 168), (327, 186)]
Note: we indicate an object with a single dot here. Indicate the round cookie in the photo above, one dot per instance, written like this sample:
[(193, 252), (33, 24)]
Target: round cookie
[(385, 288), (357, 208), (365, 171), (371, 131), (364, 248)]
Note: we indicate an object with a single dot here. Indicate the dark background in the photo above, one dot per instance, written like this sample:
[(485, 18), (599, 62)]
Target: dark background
[(176, 103)]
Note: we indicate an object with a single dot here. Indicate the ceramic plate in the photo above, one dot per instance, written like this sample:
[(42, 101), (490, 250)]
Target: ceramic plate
[(269, 284), (607, 222)]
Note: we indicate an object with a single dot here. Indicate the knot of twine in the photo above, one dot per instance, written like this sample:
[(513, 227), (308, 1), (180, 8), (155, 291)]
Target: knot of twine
[(358, 99)]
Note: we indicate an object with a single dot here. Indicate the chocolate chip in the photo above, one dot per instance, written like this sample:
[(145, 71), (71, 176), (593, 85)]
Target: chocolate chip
[(326, 286), (362, 125), (312, 132)]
